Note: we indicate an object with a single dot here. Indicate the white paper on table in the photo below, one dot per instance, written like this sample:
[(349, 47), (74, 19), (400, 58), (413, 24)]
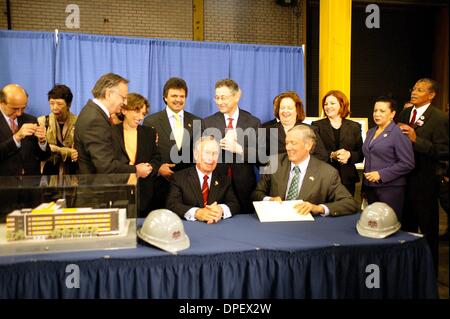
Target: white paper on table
[(272, 211)]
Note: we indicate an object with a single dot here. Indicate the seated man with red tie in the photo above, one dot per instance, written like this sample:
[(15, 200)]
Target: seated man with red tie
[(200, 193)]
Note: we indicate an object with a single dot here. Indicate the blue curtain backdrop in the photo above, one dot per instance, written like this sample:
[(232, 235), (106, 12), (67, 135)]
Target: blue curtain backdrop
[(78, 60), (28, 58)]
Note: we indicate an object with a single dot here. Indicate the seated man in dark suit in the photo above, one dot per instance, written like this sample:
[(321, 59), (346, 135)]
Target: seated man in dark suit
[(23, 144), (200, 193), (298, 175)]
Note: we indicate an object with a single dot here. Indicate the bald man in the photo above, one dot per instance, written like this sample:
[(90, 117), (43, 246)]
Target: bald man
[(23, 144)]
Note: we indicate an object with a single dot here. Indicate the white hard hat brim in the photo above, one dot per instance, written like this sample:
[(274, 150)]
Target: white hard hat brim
[(377, 234), (172, 247)]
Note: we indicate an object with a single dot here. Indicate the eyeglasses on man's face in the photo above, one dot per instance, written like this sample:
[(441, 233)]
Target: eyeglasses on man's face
[(223, 97)]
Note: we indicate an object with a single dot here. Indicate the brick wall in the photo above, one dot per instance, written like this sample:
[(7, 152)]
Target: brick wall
[(243, 21)]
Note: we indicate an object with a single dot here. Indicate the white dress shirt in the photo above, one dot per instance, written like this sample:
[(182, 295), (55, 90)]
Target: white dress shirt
[(420, 111), (190, 214)]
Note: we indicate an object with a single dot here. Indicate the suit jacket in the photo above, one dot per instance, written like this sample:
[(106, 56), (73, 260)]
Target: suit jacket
[(391, 154), (321, 185), (97, 144), (243, 167), (349, 139), (160, 123), (25, 160), (319, 151), (146, 152), (430, 147), (186, 192)]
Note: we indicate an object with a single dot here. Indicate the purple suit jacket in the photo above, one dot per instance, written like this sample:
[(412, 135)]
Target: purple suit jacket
[(391, 154)]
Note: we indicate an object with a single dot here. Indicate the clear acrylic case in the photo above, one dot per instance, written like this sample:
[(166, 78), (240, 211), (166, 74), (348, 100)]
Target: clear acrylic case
[(48, 214)]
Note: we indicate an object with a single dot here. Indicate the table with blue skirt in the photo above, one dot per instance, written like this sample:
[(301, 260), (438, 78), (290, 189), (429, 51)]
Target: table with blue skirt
[(237, 258)]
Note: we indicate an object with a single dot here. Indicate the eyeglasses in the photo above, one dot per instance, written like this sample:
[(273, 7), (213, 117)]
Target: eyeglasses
[(124, 98), (222, 97)]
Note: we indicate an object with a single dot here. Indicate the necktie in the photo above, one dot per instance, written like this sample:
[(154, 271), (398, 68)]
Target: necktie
[(205, 190), (413, 119), (178, 131), (230, 123), (230, 126), (293, 188), (13, 125)]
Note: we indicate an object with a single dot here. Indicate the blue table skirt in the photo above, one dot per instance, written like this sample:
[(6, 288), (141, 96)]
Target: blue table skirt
[(237, 258)]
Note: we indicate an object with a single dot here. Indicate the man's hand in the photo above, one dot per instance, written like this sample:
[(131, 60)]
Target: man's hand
[(143, 169), (276, 199), (408, 131), (373, 177), (26, 129), (231, 145), (208, 215), (307, 207), (216, 209), (165, 171), (40, 134)]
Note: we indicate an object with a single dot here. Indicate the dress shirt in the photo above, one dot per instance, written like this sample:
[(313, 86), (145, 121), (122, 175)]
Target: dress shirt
[(420, 111), (190, 214), (104, 109), (171, 116), (235, 117), (303, 166)]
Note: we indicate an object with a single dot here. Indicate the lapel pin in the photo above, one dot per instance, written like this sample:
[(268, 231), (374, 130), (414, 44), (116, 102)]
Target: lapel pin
[(311, 178), (385, 135), (189, 124), (422, 117), (216, 183)]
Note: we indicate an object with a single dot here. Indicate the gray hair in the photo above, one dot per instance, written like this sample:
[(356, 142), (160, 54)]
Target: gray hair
[(307, 134), (107, 81), (202, 139)]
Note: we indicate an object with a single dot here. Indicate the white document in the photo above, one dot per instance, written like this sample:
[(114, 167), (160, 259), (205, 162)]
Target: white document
[(271, 211)]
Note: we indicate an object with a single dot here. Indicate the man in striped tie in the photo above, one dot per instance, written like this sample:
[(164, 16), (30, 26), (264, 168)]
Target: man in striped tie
[(200, 193), (300, 175)]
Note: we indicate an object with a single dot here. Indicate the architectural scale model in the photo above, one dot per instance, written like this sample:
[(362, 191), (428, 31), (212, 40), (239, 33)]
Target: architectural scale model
[(54, 221)]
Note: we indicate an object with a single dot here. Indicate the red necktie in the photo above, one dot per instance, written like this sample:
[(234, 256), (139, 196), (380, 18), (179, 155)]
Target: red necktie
[(13, 125), (413, 119), (230, 126), (205, 190)]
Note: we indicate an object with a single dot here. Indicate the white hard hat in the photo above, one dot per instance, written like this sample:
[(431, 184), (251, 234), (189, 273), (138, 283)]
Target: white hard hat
[(378, 220), (164, 229)]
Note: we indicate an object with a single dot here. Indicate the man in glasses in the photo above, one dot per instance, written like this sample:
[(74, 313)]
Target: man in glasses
[(238, 129), (427, 128), (22, 141), (97, 145)]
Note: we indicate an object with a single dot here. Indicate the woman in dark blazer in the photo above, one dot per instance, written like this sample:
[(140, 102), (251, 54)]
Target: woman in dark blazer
[(341, 137), (388, 157), (139, 145), (289, 112)]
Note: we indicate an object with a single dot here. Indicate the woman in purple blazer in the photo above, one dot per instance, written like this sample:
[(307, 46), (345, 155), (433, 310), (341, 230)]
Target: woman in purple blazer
[(389, 156)]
